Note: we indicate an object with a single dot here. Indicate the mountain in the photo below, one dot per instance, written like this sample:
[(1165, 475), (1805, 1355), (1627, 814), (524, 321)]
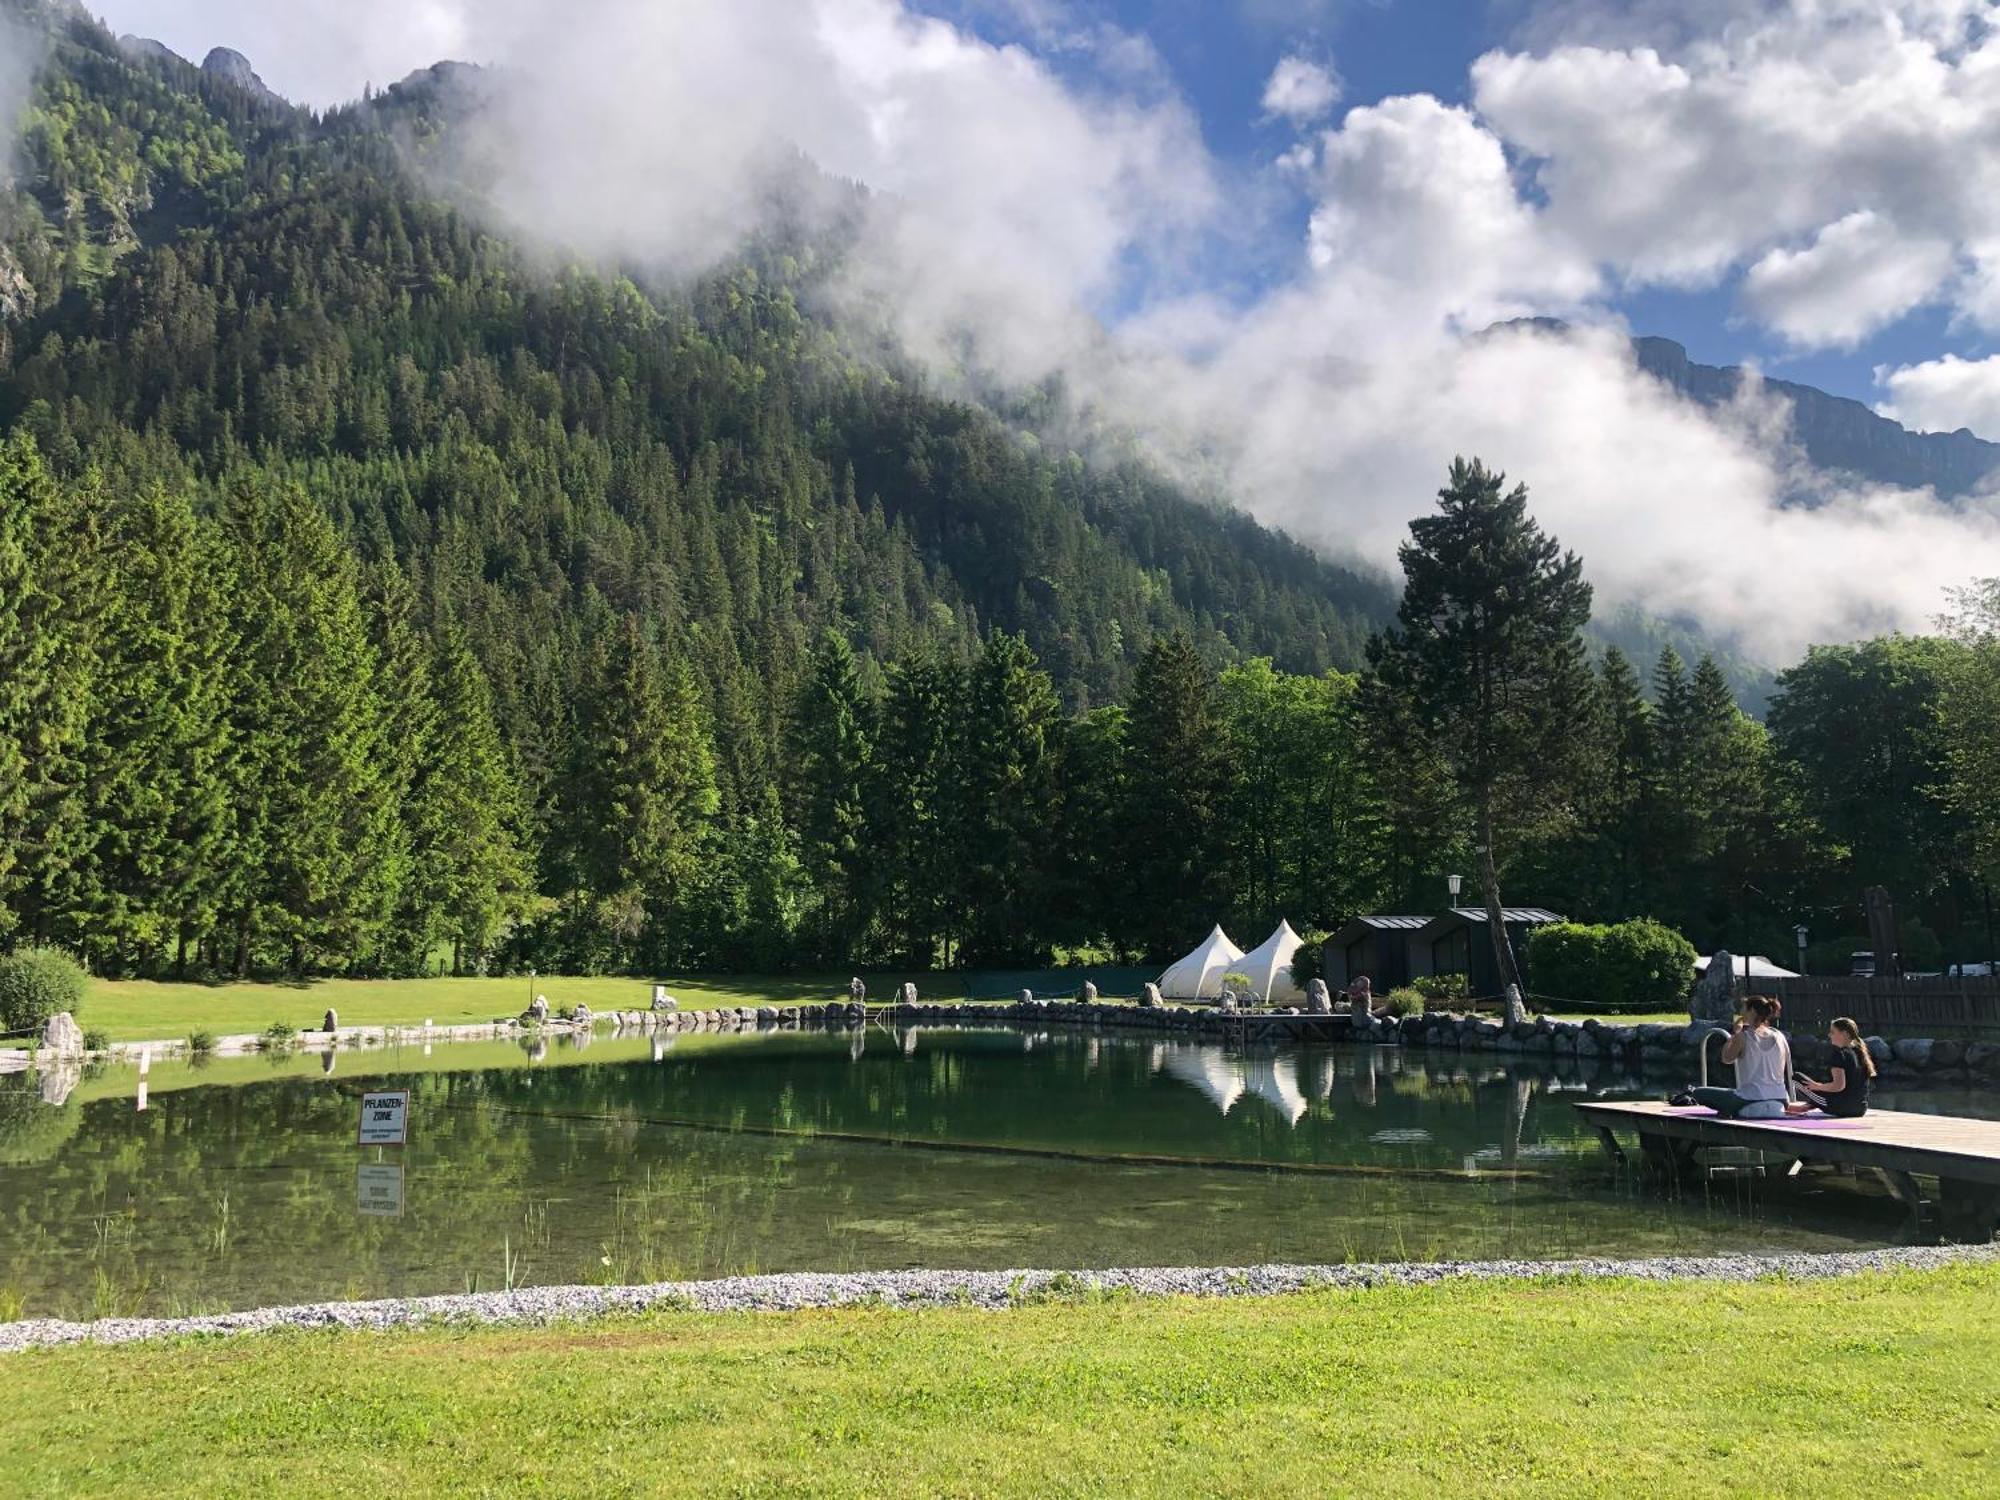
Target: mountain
[(1836, 433)]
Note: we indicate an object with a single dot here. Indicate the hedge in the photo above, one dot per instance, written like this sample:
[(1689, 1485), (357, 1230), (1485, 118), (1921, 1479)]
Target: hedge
[(1638, 966)]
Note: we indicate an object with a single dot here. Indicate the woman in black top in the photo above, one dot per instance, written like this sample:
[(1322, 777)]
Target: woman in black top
[(1846, 1090)]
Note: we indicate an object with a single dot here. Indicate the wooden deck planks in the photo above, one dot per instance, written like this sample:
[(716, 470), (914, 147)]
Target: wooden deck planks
[(1945, 1146)]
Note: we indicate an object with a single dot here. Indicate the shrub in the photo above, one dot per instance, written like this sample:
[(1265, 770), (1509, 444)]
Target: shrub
[(1402, 1001), (1638, 965), (96, 1039), (200, 1042), (1309, 963), (35, 984), (277, 1037), (1442, 989)]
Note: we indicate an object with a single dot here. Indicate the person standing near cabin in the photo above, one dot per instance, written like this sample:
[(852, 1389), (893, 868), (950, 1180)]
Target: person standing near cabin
[(1763, 1062), (1845, 1093)]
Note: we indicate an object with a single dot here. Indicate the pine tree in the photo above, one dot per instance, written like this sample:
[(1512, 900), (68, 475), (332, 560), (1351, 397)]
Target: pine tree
[(476, 826), (51, 598), (641, 793), (1177, 787), (159, 801), (1488, 644), (914, 827), (832, 737), (1010, 745), (312, 874)]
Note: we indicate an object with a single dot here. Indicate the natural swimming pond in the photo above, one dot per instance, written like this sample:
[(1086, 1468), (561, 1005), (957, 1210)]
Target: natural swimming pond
[(240, 1183)]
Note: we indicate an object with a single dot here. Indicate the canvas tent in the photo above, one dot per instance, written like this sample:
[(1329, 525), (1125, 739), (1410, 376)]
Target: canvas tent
[(1269, 967), (1199, 975), (1759, 967)]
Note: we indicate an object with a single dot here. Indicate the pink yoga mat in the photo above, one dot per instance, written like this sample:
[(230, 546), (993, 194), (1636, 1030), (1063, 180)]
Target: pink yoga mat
[(1793, 1122)]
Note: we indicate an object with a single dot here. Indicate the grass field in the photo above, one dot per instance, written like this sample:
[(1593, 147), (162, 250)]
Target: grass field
[(144, 1010), (1543, 1388)]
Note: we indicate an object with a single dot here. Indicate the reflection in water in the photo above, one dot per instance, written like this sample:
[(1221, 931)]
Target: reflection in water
[(1209, 1068), (709, 1154)]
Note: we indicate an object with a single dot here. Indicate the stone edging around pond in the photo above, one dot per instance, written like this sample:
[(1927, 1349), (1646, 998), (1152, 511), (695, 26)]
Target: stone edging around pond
[(1652, 1044), (984, 1289)]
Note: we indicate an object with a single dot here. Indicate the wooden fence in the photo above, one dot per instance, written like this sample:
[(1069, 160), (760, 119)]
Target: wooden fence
[(1909, 1007)]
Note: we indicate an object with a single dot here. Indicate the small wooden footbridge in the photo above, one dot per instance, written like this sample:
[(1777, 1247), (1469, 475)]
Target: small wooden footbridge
[(1961, 1155)]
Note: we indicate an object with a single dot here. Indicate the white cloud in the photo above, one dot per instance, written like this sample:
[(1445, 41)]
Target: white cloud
[(1300, 90), (1943, 395), (1010, 201), (1419, 218), (1860, 274), (1684, 154)]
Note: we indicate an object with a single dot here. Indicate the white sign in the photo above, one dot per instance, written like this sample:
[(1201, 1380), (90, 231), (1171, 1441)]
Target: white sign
[(385, 1119), (378, 1189)]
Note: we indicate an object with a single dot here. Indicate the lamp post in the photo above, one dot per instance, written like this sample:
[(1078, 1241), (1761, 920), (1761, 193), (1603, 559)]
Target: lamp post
[(531, 989), (1454, 884), (1799, 932)]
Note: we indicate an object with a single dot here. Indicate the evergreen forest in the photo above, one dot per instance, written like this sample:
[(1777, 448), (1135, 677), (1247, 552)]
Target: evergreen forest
[(375, 598)]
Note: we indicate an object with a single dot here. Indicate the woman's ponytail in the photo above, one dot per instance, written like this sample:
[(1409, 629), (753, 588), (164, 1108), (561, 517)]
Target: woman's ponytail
[(1853, 1028)]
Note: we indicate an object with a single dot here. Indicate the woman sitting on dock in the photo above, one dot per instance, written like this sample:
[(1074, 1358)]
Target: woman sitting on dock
[(1763, 1061), (1845, 1092)]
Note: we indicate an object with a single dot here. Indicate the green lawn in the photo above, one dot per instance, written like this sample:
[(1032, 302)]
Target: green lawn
[(1543, 1388), (142, 1010)]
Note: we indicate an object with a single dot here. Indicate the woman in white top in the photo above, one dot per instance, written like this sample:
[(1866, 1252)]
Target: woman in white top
[(1763, 1062)]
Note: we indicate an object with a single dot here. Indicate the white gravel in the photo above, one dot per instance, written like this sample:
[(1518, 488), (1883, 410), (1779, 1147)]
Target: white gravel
[(988, 1289)]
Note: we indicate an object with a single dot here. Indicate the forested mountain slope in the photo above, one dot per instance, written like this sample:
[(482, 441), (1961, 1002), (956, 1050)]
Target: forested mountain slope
[(635, 511)]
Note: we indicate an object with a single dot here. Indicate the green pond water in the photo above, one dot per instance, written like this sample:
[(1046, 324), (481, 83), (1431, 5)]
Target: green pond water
[(241, 1183)]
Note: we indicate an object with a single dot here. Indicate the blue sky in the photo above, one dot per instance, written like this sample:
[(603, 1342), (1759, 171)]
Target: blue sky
[(1220, 55)]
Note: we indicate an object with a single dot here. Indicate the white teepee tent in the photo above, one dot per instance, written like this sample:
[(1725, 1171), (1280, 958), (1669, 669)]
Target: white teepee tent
[(1199, 975), (1269, 966)]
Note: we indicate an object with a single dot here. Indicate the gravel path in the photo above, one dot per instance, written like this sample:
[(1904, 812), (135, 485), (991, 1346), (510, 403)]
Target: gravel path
[(990, 1289)]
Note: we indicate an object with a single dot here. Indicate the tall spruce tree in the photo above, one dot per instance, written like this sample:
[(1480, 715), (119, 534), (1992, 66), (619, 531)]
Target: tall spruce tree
[(1488, 645), (1177, 799), (50, 601), (833, 761), (640, 789), (315, 859), (159, 803), (915, 825), (1011, 740)]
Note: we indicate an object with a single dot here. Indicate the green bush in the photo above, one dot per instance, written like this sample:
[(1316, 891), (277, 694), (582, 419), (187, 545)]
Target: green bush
[(278, 1037), (96, 1039), (35, 984), (1309, 963), (201, 1041), (1636, 966), (1442, 989)]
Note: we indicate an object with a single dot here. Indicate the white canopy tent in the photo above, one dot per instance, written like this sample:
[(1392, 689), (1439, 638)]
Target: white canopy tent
[(1759, 966), (1269, 966), (1199, 975)]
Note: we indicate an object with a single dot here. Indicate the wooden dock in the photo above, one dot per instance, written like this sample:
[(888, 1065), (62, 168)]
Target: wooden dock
[(1963, 1155)]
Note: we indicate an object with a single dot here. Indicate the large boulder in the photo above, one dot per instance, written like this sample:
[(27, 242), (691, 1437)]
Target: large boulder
[(330, 1022), (908, 994), (1319, 1000), (1714, 997), (61, 1036), (857, 992), (1150, 997), (1912, 1052)]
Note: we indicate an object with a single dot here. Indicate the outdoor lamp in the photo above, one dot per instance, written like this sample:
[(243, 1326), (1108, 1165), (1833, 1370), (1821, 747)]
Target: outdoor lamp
[(1454, 883)]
